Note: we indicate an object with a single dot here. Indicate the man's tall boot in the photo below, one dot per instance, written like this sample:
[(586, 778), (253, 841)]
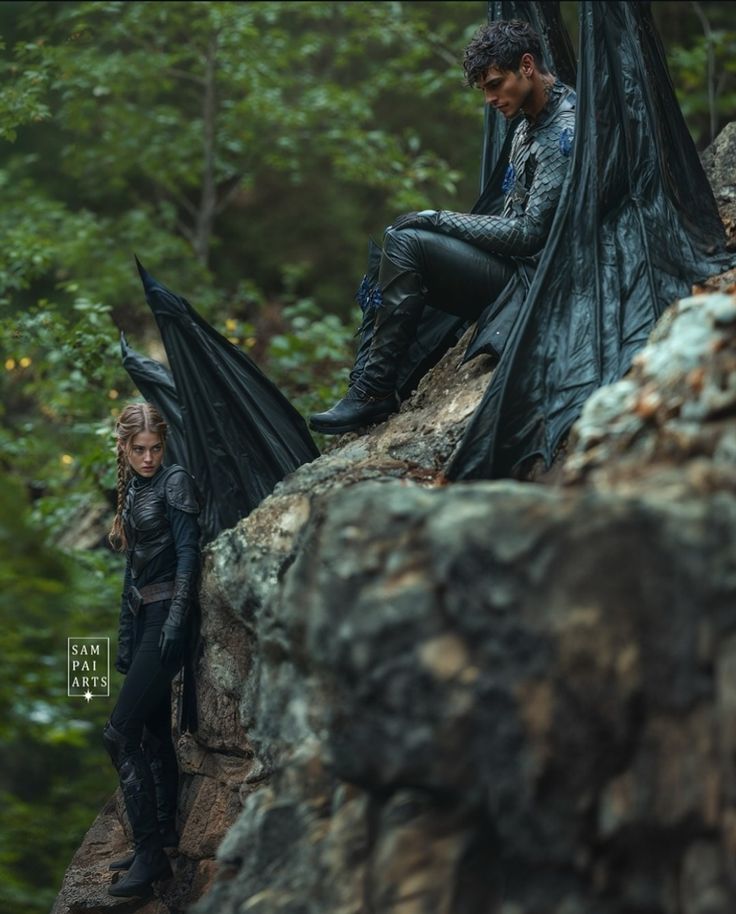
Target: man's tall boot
[(161, 759), (369, 298), (150, 863), (372, 397)]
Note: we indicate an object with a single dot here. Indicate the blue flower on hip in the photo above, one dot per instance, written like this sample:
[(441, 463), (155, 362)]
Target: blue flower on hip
[(509, 179), (369, 296)]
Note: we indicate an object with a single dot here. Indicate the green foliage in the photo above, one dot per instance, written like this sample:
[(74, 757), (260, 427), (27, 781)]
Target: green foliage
[(59, 370), (53, 772), (56, 373), (139, 91), (23, 89), (689, 64), (307, 357)]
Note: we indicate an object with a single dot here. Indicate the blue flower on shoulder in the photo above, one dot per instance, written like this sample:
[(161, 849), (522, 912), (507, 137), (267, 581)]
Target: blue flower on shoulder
[(509, 179), (566, 141)]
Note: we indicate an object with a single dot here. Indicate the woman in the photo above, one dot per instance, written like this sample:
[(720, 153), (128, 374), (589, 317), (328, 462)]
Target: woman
[(156, 525)]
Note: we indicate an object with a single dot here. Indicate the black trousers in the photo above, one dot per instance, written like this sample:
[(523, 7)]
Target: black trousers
[(460, 278), (144, 704)]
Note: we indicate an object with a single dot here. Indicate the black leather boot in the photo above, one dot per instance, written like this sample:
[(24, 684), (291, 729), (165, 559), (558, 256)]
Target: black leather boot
[(357, 409), (161, 759), (369, 298), (124, 863), (165, 772), (150, 863), (372, 398)]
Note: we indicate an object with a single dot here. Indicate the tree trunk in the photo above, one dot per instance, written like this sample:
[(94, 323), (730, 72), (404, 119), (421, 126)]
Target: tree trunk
[(208, 199)]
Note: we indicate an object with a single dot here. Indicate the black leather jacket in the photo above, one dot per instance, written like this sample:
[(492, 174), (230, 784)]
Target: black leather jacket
[(160, 521), (159, 517)]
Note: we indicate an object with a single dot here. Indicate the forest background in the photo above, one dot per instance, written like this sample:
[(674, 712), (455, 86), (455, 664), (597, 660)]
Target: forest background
[(245, 152)]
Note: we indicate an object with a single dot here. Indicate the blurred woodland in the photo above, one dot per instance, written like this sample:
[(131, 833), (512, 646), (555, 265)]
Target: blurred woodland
[(245, 151)]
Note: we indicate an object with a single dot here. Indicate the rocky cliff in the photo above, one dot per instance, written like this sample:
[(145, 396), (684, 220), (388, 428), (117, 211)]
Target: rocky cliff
[(478, 698)]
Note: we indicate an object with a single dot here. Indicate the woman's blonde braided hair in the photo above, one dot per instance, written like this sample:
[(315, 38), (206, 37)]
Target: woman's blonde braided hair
[(134, 419)]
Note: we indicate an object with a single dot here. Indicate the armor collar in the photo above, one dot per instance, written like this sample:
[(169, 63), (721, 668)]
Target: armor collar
[(557, 95), (141, 482)]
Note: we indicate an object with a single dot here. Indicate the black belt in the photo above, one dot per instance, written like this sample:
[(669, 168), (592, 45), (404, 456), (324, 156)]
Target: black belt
[(151, 593)]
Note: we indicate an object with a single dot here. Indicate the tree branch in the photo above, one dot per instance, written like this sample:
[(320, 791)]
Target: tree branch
[(228, 193), (208, 197), (708, 32)]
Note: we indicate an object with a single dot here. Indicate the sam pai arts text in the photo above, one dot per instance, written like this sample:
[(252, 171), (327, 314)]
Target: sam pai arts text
[(83, 662)]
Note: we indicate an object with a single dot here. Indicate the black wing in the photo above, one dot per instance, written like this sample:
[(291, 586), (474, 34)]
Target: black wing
[(241, 435), (155, 383)]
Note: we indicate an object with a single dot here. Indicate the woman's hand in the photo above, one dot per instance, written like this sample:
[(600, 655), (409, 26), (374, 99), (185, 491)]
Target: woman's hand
[(174, 630), (171, 644)]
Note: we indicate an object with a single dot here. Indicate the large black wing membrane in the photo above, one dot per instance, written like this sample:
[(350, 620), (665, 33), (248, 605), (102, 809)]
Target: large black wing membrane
[(241, 434), (636, 226), (155, 383)]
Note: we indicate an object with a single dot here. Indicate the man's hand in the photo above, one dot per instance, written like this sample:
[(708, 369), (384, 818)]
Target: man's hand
[(427, 219)]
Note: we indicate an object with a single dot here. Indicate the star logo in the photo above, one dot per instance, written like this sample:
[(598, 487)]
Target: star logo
[(88, 695)]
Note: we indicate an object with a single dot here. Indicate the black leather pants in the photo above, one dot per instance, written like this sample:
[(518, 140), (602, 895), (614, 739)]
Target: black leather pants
[(420, 268), (138, 738), (144, 702), (458, 277)]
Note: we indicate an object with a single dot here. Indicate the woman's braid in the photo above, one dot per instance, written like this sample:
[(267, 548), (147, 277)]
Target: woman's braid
[(116, 536), (134, 419)]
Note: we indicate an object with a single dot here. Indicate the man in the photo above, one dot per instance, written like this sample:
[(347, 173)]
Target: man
[(458, 262)]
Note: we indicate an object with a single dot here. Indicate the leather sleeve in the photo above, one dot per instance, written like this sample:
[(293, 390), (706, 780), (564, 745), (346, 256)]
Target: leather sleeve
[(185, 529), (185, 532), (525, 234), (124, 653)]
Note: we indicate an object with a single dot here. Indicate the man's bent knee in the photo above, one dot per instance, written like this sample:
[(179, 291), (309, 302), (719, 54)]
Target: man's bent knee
[(402, 250), (400, 239)]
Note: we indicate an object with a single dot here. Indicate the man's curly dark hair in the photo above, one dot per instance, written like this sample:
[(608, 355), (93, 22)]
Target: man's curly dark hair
[(501, 44)]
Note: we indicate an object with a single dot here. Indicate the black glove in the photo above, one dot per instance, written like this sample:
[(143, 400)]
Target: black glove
[(427, 219), (174, 630), (124, 655)]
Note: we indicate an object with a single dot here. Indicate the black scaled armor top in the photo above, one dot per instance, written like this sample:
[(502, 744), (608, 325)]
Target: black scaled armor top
[(159, 517), (538, 163)]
